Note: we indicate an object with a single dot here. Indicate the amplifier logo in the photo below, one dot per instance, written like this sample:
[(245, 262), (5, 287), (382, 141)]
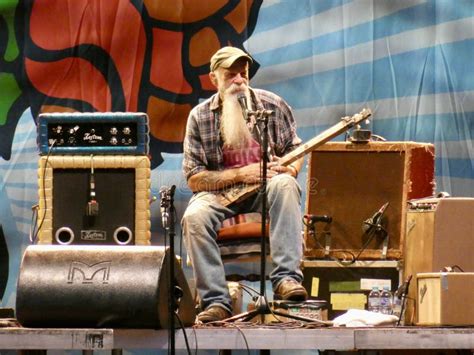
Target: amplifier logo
[(92, 138), (94, 235), (423, 293), (83, 273)]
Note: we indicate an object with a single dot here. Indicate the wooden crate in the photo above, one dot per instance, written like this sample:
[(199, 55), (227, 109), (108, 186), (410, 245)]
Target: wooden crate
[(350, 182)]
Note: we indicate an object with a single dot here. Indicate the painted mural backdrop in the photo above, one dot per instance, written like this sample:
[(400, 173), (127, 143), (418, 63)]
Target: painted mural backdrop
[(410, 61)]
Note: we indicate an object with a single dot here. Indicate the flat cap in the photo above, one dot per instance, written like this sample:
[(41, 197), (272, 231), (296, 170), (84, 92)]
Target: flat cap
[(226, 56)]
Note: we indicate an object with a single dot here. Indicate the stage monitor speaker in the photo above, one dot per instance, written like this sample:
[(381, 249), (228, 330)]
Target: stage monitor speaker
[(82, 286), (440, 234), (85, 199), (350, 182)]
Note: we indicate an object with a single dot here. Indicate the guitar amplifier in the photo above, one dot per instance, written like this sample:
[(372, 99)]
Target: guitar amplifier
[(445, 298), (352, 183), (440, 234), (93, 133), (94, 200)]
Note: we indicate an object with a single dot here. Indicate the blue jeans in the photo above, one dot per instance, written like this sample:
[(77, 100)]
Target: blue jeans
[(203, 217)]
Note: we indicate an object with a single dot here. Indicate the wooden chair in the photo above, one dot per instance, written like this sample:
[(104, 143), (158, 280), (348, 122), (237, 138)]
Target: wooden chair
[(239, 237), (239, 241)]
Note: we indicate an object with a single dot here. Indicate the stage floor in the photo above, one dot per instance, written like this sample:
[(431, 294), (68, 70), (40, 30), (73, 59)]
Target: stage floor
[(242, 338)]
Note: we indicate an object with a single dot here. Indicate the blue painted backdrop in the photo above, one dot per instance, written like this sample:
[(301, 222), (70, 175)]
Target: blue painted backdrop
[(410, 61)]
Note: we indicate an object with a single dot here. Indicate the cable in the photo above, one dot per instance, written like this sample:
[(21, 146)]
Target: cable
[(354, 258), (244, 337), (452, 268), (367, 242), (344, 262), (34, 219), (296, 324), (250, 290), (377, 138), (33, 239), (181, 325)]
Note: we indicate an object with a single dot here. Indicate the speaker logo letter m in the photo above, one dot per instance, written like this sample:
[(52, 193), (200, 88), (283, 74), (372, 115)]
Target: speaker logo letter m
[(86, 274)]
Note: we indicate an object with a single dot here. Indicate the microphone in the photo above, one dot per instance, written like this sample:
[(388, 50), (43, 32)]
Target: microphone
[(166, 197), (242, 99), (314, 218), (374, 221), (92, 207)]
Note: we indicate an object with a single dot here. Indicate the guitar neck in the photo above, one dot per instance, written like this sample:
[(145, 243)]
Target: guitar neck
[(314, 143), (236, 194)]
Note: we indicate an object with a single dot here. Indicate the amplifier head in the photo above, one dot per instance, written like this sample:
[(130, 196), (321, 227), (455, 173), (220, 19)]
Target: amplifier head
[(93, 133)]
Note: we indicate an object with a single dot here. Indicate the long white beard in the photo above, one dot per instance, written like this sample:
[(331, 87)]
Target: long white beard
[(235, 132)]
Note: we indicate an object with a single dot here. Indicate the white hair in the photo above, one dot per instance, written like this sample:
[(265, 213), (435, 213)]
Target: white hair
[(235, 132)]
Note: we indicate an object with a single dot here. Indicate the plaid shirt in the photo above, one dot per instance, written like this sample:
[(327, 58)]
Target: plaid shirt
[(203, 143)]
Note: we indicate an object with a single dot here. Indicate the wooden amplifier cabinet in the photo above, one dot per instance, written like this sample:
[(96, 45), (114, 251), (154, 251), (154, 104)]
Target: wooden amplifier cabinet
[(445, 298), (439, 233), (122, 187), (350, 182)]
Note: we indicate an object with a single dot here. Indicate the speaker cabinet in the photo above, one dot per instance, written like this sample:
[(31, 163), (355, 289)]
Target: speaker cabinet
[(440, 233), (67, 286), (85, 199), (350, 182)]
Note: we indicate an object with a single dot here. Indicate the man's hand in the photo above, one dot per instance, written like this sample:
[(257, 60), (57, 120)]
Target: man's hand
[(280, 169), (291, 169), (250, 174), (217, 180)]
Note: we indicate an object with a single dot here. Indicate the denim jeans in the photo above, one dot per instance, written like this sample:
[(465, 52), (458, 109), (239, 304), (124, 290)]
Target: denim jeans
[(203, 217)]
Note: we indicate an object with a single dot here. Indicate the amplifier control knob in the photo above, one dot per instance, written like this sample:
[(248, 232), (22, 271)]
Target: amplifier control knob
[(71, 140), (127, 130), (73, 130), (58, 129), (113, 141), (113, 131)]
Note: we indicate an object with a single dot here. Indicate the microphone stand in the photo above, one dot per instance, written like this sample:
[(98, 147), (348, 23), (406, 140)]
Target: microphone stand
[(262, 306), (168, 213)]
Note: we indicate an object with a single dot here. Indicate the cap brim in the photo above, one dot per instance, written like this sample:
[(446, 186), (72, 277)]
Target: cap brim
[(228, 62)]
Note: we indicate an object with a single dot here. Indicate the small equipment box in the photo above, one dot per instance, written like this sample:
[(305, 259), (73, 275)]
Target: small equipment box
[(445, 298)]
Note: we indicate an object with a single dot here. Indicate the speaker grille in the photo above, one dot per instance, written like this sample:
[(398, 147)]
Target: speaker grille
[(115, 194)]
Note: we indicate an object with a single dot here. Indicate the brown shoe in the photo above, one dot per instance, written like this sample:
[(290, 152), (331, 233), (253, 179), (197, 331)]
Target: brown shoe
[(213, 314), (290, 290)]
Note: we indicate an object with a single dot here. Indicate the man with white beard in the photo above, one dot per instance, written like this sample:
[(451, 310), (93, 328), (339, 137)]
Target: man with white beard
[(221, 149)]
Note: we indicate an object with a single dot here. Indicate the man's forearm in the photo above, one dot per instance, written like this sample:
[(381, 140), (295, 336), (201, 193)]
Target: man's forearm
[(208, 180)]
